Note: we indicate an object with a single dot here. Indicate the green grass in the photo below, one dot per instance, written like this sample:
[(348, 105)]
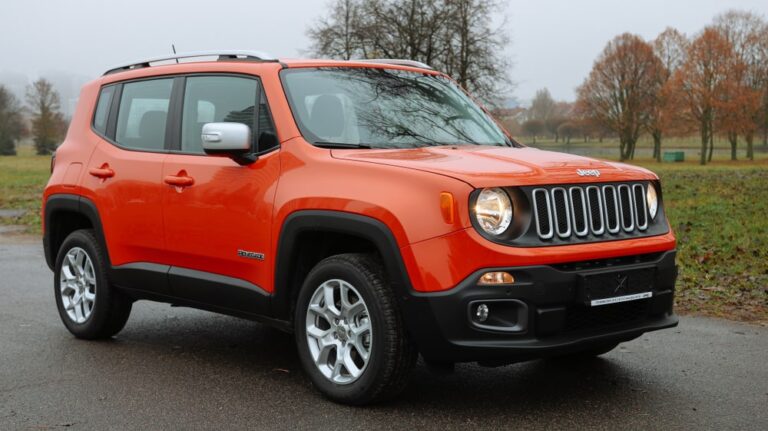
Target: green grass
[(719, 213), (22, 179)]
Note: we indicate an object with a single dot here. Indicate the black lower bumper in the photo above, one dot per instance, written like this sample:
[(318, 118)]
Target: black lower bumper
[(546, 312)]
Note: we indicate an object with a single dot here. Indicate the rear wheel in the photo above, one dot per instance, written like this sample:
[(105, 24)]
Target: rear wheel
[(349, 333), (88, 306)]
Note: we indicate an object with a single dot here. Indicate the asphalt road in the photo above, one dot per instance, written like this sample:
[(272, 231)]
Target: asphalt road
[(173, 368)]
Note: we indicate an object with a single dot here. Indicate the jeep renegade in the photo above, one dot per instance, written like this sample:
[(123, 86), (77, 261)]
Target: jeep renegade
[(371, 208)]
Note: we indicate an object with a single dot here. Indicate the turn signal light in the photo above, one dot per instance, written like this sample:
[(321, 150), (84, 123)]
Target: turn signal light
[(496, 277), (447, 207)]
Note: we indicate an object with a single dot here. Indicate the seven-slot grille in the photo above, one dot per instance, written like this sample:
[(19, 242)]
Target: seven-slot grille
[(580, 210)]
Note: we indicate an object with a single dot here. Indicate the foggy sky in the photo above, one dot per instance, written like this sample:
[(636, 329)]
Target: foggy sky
[(71, 41)]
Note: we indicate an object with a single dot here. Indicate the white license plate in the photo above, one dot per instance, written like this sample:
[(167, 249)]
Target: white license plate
[(617, 299)]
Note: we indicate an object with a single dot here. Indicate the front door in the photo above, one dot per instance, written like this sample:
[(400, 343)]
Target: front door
[(216, 213)]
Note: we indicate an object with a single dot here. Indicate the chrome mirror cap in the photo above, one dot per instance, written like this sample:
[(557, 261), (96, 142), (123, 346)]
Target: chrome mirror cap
[(226, 138)]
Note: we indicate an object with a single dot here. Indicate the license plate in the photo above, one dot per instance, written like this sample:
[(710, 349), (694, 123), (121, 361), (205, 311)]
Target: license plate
[(617, 299), (617, 286)]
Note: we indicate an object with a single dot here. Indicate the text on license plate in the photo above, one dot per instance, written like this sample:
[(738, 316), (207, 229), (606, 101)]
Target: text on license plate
[(616, 299)]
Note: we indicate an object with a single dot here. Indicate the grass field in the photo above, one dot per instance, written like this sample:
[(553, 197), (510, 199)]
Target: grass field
[(719, 213)]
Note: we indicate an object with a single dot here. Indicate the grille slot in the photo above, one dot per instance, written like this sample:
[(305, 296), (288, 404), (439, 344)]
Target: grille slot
[(611, 209), (627, 206), (641, 207), (563, 212), (596, 217), (543, 211), (579, 211)]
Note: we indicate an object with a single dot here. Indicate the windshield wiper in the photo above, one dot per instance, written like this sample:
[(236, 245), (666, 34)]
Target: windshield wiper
[(323, 144)]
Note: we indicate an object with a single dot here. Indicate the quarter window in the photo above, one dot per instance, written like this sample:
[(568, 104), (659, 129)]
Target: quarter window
[(102, 109), (143, 114)]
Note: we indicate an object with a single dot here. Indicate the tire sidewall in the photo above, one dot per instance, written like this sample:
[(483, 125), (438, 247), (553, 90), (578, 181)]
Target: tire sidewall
[(86, 241), (372, 376)]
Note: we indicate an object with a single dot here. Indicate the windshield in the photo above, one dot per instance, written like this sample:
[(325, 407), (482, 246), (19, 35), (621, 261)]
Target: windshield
[(385, 108)]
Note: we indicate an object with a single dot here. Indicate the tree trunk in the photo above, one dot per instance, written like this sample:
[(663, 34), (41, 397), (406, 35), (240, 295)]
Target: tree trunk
[(534, 139), (704, 141), (627, 149), (750, 147), (733, 138), (711, 145), (657, 145)]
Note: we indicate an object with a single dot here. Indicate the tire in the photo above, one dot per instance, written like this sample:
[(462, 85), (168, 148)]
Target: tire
[(391, 355), (88, 305)]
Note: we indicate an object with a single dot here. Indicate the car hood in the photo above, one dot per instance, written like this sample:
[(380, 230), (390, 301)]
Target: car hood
[(485, 166)]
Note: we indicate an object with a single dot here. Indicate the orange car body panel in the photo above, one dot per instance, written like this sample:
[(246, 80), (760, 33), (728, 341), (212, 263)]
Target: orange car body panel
[(233, 207)]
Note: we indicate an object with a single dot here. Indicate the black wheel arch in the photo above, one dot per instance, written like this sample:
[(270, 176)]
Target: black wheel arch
[(65, 213), (373, 232)]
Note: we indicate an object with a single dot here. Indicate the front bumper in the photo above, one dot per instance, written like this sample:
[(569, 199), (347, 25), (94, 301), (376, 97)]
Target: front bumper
[(542, 314)]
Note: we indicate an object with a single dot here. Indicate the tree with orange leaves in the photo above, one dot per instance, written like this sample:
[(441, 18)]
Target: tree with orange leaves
[(703, 82), (620, 90), (746, 32)]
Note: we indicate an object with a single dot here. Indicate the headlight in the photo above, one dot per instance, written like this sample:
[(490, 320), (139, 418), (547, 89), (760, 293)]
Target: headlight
[(652, 200), (493, 211)]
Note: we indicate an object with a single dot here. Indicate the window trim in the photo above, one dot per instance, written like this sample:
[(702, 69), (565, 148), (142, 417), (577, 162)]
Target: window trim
[(175, 112)]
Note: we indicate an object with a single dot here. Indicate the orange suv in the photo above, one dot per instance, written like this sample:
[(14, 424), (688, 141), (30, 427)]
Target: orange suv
[(371, 208)]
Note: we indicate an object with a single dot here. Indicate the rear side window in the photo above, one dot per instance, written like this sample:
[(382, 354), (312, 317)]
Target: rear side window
[(102, 109), (143, 114), (216, 99)]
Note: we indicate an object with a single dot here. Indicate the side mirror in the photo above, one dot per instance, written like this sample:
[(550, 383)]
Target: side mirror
[(229, 139)]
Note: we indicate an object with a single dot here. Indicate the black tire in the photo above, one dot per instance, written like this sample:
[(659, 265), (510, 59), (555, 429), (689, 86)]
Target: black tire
[(392, 355), (111, 308)]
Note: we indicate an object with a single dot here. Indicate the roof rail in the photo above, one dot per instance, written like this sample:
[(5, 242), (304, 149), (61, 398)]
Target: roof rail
[(222, 55), (398, 62)]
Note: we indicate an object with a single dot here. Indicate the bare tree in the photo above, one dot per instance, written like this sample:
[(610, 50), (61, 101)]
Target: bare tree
[(621, 88), (746, 32), (48, 125), (670, 47), (454, 36), (542, 106), (338, 34), (11, 125), (533, 128)]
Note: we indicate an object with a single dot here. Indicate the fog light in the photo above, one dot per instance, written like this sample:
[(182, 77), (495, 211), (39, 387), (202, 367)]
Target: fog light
[(482, 313), (496, 277)]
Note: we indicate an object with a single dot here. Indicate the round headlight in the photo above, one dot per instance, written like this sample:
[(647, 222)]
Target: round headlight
[(652, 200), (493, 211)]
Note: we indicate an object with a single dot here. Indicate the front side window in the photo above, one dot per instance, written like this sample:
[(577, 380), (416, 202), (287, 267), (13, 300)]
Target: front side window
[(385, 108), (143, 114), (216, 99)]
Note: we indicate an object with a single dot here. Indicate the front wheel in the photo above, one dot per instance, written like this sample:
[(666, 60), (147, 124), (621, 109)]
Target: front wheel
[(349, 333)]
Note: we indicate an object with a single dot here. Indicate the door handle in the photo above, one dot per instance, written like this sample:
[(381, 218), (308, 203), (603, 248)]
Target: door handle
[(102, 172), (179, 180)]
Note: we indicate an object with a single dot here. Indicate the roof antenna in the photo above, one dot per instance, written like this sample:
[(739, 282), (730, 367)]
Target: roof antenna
[(173, 47)]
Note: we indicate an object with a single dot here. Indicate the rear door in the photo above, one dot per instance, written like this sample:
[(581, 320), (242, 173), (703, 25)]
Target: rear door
[(217, 222), (125, 175)]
